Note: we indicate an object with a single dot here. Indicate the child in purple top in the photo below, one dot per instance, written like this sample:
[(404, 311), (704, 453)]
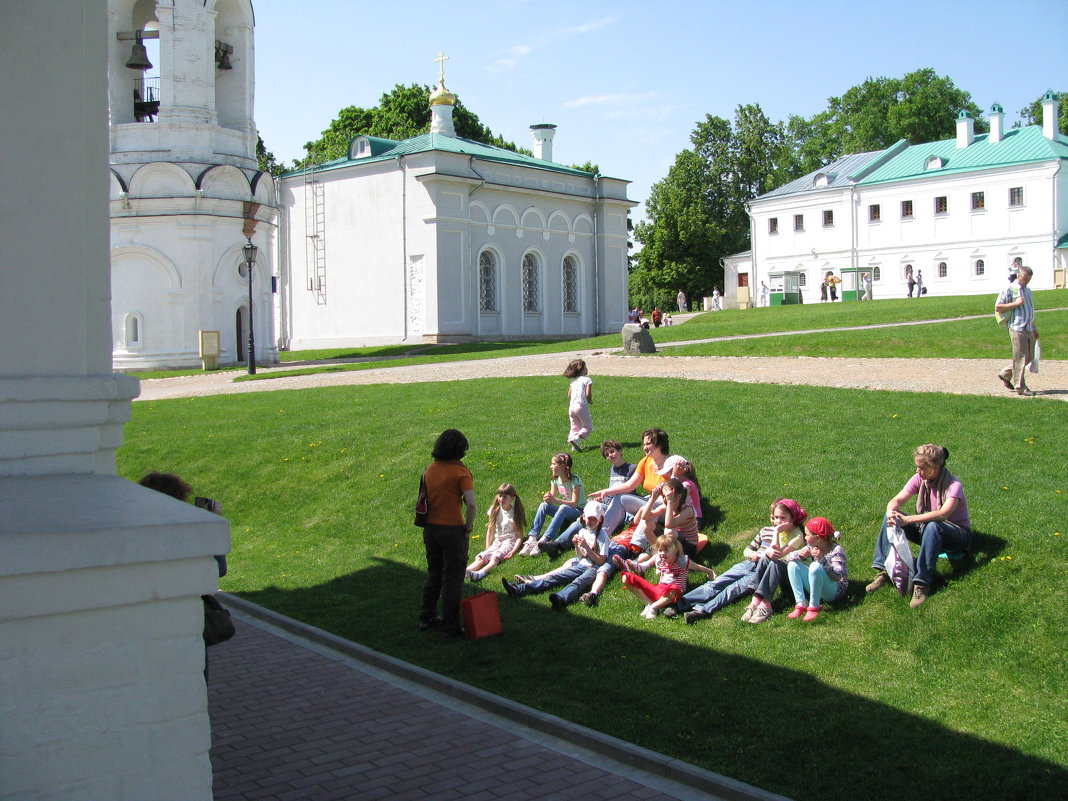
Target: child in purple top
[(941, 523)]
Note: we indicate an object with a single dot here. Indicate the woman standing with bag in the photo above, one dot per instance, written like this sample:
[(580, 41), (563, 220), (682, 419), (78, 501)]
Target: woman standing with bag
[(941, 523), (447, 484)]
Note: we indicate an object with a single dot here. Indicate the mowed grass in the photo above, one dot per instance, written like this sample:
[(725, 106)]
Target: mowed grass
[(961, 699), (960, 339)]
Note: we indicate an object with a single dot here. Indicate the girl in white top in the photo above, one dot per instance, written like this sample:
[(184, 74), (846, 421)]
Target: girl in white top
[(504, 533), (580, 396)]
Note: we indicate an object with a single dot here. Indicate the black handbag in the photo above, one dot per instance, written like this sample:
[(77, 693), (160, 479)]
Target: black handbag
[(421, 505), (218, 624)]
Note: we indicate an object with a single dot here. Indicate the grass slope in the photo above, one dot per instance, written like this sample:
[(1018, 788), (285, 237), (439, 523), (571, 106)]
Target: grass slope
[(961, 699)]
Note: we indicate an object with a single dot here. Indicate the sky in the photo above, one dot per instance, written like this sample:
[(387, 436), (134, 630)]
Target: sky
[(626, 82)]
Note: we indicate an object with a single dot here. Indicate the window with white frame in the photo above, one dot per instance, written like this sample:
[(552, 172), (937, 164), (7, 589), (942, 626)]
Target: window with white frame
[(875, 213), (941, 204), (980, 267), (570, 284), (828, 218), (487, 281), (1016, 196), (799, 222), (978, 201), (943, 269), (876, 274), (802, 280), (530, 283), (773, 225), (906, 209)]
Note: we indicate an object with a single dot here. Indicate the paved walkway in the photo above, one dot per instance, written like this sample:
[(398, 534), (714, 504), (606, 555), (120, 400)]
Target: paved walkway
[(300, 714)]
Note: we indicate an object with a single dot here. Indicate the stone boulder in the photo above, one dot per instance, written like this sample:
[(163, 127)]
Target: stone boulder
[(637, 340)]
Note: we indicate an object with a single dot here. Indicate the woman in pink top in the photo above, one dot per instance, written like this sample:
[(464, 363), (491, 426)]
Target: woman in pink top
[(941, 523)]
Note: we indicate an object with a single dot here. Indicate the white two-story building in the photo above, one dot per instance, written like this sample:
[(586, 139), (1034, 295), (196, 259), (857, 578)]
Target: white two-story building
[(960, 214)]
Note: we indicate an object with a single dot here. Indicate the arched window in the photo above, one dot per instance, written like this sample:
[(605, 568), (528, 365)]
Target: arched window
[(943, 270), (876, 273), (530, 283), (980, 267), (570, 284), (487, 281), (132, 332), (802, 280)]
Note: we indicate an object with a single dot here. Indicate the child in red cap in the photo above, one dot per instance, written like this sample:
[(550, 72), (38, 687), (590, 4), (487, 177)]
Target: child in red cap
[(818, 572)]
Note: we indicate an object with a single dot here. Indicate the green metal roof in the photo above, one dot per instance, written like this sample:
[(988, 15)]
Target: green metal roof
[(447, 144), (1017, 146)]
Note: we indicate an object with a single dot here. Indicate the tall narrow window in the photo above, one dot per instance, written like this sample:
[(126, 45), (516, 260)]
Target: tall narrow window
[(570, 284), (876, 274), (906, 209), (943, 270), (980, 267), (799, 222), (875, 213), (133, 332), (978, 201), (828, 218), (530, 283), (773, 225), (1016, 196), (941, 204), (487, 281)]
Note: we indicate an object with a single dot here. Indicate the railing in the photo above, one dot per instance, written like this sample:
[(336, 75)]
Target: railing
[(146, 99)]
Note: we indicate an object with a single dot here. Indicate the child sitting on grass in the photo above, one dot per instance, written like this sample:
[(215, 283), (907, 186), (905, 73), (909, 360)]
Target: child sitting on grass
[(818, 572), (787, 517), (562, 504), (504, 532), (673, 566)]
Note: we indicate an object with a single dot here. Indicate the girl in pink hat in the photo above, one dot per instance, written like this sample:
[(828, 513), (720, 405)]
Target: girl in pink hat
[(818, 572), (787, 517)]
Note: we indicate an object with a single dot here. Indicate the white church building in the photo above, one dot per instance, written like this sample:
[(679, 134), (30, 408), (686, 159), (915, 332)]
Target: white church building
[(442, 239), (186, 193), (961, 213)]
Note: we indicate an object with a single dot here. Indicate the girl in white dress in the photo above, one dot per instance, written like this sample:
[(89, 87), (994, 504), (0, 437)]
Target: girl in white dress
[(504, 533)]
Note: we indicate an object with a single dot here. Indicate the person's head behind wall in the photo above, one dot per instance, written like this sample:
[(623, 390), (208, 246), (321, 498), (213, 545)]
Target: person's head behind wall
[(168, 484), (451, 444)]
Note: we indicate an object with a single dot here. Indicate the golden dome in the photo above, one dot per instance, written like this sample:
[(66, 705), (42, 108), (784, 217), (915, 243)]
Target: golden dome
[(442, 96)]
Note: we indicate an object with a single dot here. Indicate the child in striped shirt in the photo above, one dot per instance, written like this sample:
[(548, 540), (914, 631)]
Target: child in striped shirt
[(673, 566)]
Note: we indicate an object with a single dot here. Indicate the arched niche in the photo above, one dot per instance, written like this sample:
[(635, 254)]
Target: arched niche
[(224, 181), (160, 179)]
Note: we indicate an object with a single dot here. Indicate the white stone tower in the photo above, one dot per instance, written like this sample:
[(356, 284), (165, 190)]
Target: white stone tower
[(186, 193)]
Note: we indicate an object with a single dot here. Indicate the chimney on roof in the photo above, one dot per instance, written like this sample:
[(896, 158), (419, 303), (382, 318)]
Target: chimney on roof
[(1051, 113), (543, 134), (997, 123), (965, 129)]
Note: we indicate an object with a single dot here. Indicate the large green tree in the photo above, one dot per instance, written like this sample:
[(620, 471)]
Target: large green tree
[(400, 114), (1032, 115), (697, 214)]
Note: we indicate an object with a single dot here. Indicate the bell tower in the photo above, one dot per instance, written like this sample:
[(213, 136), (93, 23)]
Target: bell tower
[(186, 191)]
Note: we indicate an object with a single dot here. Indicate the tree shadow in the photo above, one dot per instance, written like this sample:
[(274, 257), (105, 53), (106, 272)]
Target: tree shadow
[(588, 665)]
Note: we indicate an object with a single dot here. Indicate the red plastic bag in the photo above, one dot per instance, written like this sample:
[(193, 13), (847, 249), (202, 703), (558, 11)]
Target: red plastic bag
[(482, 615)]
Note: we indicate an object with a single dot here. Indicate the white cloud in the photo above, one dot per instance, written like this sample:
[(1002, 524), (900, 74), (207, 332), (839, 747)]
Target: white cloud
[(512, 55)]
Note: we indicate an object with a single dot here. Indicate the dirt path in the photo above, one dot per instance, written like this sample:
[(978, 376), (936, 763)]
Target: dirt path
[(956, 376)]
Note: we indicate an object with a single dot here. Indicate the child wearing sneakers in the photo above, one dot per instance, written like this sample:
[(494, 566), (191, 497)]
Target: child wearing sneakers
[(579, 398), (787, 517), (818, 572), (673, 566), (504, 533)]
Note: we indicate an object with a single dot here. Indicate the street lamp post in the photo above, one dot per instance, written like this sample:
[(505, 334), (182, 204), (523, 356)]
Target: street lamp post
[(250, 262)]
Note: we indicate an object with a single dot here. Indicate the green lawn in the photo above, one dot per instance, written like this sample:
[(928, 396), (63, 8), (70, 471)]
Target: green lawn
[(961, 699)]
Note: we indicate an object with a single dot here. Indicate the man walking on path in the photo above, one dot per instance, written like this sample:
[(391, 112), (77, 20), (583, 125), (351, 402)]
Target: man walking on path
[(1022, 331)]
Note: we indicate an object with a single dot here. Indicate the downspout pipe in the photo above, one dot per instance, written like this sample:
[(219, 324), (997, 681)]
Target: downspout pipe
[(404, 245), (596, 256)]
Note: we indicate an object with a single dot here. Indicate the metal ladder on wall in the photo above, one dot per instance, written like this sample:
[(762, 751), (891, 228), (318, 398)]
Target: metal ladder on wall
[(315, 230)]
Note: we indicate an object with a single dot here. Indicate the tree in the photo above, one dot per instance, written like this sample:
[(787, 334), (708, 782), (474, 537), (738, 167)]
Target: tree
[(1032, 115), (400, 114), (697, 214), (266, 160)]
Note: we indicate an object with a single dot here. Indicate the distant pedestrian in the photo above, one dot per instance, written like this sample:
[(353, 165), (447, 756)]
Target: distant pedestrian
[(717, 299), (1023, 332), (867, 286), (763, 294), (909, 280), (919, 284), (681, 298), (657, 316)]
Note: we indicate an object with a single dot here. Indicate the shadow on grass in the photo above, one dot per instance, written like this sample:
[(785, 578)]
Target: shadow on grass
[(760, 723)]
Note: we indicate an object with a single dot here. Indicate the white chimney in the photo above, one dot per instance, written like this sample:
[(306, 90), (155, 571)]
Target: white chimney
[(997, 123), (1051, 113), (965, 129), (543, 134)]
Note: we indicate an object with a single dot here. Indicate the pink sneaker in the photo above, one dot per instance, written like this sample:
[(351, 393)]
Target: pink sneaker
[(799, 610), (812, 613)]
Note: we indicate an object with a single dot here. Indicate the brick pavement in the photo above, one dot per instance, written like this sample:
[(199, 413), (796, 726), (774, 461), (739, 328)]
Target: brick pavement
[(293, 718)]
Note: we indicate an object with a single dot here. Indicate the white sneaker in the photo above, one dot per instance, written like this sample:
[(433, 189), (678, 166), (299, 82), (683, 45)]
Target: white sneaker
[(649, 613)]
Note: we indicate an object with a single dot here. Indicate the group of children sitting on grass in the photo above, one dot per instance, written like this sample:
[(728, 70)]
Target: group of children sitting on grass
[(615, 530)]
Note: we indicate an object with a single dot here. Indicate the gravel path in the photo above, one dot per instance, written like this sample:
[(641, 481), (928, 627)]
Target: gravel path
[(956, 376)]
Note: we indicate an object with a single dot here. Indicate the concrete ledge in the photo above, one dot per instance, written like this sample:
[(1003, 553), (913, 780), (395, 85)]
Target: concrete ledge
[(612, 747)]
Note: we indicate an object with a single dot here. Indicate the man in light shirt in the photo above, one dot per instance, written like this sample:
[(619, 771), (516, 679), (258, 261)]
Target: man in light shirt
[(1022, 331)]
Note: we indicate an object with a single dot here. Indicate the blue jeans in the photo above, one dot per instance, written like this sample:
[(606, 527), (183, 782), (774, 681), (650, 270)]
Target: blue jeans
[(561, 515), (769, 576), (563, 539), (934, 538), (726, 588), (570, 571), (812, 585)]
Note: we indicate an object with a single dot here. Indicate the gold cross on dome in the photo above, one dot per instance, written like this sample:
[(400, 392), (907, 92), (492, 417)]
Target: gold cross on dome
[(441, 59)]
